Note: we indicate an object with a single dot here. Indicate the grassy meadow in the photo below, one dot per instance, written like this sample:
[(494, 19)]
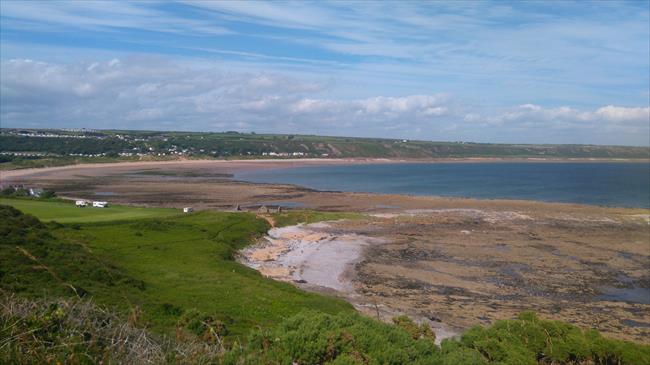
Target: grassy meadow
[(66, 212)]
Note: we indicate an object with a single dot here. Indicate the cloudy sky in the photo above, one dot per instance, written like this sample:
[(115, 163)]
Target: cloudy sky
[(517, 72)]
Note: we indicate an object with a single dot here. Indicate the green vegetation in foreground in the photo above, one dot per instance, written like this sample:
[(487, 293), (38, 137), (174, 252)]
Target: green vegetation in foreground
[(318, 338), (294, 217), (67, 212), (173, 294), (162, 271), (76, 331)]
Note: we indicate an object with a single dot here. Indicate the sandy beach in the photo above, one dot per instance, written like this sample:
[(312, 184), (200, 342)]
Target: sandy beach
[(227, 165), (238, 165), (308, 254)]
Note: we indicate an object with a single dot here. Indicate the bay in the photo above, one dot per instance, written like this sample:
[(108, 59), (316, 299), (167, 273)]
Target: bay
[(606, 184)]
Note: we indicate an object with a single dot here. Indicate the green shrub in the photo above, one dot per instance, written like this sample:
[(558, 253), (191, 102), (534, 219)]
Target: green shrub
[(48, 194), (416, 331), (529, 340), (204, 326), (8, 191), (17, 228), (316, 338), (76, 331)]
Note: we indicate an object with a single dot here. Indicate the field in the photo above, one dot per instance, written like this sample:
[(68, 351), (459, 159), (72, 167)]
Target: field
[(158, 268), (67, 212)]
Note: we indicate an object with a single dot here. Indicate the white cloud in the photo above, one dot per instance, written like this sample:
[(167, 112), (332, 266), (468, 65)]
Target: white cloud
[(103, 15), (146, 114), (565, 114), (621, 114), (154, 93), (507, 53)]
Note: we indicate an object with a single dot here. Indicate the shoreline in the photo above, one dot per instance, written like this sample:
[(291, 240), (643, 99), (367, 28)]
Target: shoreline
[(207, 178), (244, 164)]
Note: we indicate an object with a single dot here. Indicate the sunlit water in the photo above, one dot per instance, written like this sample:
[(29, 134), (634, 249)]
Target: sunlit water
[(608, 184)]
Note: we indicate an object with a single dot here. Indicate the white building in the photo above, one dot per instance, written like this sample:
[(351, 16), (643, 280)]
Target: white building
[(80, 203), (188, 210)]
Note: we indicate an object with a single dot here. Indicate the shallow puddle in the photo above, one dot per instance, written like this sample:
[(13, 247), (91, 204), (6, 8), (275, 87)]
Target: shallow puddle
[(634, 294)]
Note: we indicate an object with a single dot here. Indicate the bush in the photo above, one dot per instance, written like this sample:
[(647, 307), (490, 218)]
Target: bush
[(16, 228), (21, 192), (79, 332), (529, 340), (48, 194), (416, 331), (8, 191), (316, 338)]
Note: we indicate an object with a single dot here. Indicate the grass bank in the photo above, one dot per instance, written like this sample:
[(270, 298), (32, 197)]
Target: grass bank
[(155, 269)]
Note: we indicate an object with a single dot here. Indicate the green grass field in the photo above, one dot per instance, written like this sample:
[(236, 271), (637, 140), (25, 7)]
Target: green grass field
[(67, 212), (162, 268)]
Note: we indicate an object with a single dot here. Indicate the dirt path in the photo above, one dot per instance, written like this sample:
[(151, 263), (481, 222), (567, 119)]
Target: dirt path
[(267, 218)]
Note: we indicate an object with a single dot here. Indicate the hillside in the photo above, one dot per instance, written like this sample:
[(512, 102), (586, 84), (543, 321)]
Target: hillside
[(178, 263), (18, 145)]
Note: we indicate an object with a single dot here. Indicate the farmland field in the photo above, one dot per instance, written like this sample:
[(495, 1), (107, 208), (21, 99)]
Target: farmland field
[(67, 212)]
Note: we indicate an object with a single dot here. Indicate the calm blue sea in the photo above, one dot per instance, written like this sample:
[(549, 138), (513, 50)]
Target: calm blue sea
[(609, 184)]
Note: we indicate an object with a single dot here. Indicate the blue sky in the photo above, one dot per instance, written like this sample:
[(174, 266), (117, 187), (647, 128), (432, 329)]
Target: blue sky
[(518, 72)]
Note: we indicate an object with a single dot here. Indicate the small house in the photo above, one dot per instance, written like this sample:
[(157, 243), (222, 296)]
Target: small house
[(98, 204), (188, 210), (263, 210), (80, 203), (36, 192)]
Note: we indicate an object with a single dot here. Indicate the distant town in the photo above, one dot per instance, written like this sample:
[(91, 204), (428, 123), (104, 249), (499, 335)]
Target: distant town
[(31, 147)]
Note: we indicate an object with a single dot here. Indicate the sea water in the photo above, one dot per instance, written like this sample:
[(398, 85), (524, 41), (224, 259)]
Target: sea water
[(607, 184)]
